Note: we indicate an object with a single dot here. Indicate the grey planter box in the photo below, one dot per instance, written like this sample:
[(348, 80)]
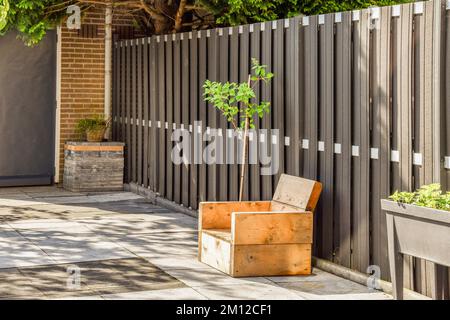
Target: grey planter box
[(93, 166), (419, 232)]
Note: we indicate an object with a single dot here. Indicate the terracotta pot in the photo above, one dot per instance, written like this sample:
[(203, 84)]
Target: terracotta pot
[(95, 135)]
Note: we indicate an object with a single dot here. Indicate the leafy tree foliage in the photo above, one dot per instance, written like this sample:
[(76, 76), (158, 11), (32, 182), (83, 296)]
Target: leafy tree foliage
[(33, 17)]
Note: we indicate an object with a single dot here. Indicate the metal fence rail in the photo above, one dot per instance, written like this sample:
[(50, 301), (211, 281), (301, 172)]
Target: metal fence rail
[(361, 99)]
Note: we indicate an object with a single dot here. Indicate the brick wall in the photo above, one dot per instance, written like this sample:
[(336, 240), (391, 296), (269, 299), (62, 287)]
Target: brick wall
[(82, 72)]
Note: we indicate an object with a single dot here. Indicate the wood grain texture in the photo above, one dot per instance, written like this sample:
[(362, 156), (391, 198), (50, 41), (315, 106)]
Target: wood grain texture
[(215, 252), (271, 260), (298, 192), (217, 215), (272, 228)]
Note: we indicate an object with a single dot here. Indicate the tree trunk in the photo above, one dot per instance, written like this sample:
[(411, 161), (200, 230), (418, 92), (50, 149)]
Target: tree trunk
[(244, 151)]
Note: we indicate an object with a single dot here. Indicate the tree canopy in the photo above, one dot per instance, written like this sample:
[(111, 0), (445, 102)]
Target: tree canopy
[(32, 18)]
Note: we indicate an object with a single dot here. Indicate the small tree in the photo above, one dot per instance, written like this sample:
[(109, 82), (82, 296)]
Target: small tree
[(236, 102)]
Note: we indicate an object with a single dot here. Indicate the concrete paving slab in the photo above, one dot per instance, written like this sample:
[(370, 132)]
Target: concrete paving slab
[(168, 294), (176, 262), (211, 277), (247, 291), (16, 251), (326, 288), (46, 224)]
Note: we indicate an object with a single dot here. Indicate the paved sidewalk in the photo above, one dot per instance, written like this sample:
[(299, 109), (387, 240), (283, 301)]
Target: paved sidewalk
[(56, 244)]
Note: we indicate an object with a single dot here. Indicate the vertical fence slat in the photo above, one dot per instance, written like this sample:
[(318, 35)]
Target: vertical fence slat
[(161, 116), (195, 96), (134, 124), (266, 123), (326, 157), (222, 124), (203, 113), (311, 112), (361, 142), (153, 116), (146, 107), (128, 115), (169, 116), (177, 109), (279, 95), (233, 171), (254, 174), (140, 144), (185, 168), (213, 115), (244, 71), (402, 28), (380, 167), (294, 123), (343, 140)]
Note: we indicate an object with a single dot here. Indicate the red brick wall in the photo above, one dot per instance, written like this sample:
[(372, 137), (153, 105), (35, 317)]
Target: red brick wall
[(82, 74)]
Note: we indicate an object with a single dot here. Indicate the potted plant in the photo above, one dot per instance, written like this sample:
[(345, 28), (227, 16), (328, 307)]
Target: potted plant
[(93, 129), (418, 224), (237, 100)]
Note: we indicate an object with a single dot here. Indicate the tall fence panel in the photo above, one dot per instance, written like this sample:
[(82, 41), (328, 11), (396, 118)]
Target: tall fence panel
[(360, 100)]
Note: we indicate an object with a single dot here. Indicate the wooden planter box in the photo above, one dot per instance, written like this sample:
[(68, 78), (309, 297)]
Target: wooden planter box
[(420, 232), (93, 166), (262, 238)]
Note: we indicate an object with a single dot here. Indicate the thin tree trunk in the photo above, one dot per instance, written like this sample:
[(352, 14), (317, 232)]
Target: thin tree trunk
[(244, 151)]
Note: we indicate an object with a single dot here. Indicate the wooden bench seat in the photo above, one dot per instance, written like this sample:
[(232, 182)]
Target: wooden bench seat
[(261, 238)]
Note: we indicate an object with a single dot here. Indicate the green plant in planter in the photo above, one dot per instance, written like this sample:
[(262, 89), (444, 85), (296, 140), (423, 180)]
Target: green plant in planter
[(430, 196), (93, 129), (237, 101)]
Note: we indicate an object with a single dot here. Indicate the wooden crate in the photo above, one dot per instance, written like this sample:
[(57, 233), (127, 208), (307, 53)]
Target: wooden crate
[(262, 238)]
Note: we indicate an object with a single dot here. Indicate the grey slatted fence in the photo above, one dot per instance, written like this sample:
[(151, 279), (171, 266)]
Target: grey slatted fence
[(356, 96)]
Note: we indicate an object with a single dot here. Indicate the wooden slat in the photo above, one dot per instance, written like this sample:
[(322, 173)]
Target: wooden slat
[(342, 232), (153, 154), (203, 113), (266, 123), (360, 128), (161, 117), (445, 180), (185, 93), (294, 123), (272, 228), (255, 168), (278, 107), (402, 136), (215, 252), (277, 259), (326, 158), (140, 144), (224, 62), (129, 177), (169, 118), (195, 96), (298, 192), (380, 168), (244, 71), (217, 215), (233, 169), (213, 115), (311, 113), (146, 107), (177, 110), (134, 123)]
